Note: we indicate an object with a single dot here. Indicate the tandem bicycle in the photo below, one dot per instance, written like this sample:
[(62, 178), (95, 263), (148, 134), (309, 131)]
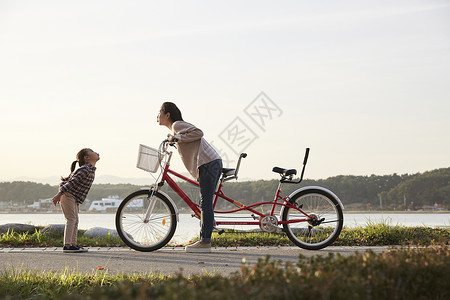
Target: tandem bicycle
[(146, 220)]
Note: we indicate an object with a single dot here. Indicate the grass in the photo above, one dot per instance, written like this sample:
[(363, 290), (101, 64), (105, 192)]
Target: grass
[(405, 273), (37, 239), (380, 234)]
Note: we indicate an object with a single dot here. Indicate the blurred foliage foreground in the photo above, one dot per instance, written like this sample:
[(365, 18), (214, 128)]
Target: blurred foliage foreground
[(402, 273)]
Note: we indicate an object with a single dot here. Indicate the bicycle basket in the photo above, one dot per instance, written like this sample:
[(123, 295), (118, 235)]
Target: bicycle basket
[(149, 159)]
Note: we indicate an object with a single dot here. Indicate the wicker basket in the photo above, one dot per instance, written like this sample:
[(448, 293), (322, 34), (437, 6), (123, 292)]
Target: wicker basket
[(149, 159)]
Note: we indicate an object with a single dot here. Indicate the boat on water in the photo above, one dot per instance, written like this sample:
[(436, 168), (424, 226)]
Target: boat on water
[(106, 204), (111, 203)]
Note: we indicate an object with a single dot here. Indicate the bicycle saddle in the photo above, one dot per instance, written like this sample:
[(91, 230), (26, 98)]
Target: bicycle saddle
[(228, 172), (284, 172)]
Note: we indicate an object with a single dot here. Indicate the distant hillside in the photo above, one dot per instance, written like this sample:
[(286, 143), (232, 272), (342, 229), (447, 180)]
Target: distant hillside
[(364, 192)]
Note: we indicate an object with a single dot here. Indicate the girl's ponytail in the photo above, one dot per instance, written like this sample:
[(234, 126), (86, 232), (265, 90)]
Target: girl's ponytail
[(72, 168), (80, 160)]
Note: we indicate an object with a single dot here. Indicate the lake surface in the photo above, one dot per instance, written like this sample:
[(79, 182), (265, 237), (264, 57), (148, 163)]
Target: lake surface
[(189, 227)]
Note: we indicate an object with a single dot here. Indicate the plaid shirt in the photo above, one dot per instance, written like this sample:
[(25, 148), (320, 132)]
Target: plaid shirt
[(79, 182)]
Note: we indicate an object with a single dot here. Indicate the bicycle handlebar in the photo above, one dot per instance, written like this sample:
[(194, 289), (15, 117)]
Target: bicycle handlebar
[(236, 171), (305, 160), (166, 142), (243, 155)]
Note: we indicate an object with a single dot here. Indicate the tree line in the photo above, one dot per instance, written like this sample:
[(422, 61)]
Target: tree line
[(395, 192)]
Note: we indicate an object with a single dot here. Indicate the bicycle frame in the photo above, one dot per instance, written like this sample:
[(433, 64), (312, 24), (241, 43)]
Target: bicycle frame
[(278, 200)]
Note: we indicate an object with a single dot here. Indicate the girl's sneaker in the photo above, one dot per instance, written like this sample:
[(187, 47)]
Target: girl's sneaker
[(81, 248), (74, 249)]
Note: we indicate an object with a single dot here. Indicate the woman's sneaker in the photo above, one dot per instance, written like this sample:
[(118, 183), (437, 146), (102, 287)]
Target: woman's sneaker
[(199, 247)]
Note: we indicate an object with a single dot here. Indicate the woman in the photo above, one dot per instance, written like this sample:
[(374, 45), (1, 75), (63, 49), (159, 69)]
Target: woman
[(72, 192), (202, 162)]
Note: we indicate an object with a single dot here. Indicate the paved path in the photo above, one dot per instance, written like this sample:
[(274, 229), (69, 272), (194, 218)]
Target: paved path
[(164, 261)]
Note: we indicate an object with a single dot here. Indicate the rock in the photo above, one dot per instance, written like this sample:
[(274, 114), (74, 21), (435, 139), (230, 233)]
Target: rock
[(99, 232), (18, 228), (55, 230)]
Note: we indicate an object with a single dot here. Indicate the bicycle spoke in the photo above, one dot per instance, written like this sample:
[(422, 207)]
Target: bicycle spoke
[(146, 235), (321, 227)]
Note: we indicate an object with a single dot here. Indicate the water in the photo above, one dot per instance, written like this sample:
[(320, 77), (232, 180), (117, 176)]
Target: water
[(401, 219), (189, 227)]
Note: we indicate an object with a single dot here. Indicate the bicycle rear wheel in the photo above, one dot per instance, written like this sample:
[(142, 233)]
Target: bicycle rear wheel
[(325, 222), (144, 235)]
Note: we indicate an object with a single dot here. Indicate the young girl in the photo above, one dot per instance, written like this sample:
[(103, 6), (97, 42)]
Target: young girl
[(72, 192), (202, 162)]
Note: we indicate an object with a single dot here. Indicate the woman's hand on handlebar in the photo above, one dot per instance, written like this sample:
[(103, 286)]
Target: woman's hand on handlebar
[(171, 139)]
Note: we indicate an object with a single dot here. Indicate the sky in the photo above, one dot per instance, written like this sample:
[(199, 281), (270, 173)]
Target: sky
[(364, 84)]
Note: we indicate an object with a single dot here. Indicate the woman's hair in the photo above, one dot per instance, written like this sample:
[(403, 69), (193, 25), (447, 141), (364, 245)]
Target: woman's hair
[(175, 113), (80, 160)]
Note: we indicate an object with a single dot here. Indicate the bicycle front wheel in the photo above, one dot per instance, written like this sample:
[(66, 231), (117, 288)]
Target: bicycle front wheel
[(316, 222), (141, 230)]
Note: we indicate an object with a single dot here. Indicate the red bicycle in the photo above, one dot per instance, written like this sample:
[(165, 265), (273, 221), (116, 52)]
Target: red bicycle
[(146, 220)]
